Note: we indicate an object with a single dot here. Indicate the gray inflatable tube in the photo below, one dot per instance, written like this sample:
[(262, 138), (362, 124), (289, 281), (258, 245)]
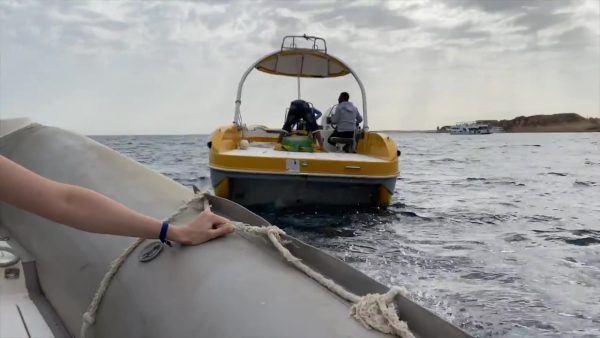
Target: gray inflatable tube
[(237, 286)]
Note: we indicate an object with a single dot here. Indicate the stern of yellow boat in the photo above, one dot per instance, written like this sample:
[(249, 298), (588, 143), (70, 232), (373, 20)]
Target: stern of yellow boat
[(260, 172)]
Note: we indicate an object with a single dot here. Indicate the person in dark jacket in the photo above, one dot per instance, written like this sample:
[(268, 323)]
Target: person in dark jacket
[(302, 110)]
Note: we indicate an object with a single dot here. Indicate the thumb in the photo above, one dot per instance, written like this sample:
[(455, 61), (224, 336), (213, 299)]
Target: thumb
[(221, 230)]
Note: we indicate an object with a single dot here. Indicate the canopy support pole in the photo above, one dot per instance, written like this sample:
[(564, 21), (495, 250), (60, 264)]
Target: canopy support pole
[(238, 100), (364, 98)]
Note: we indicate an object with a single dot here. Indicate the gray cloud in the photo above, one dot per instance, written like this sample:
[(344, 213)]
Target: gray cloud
[(577, 38), (513, 6), (535, 18), (75, 62), (369, 17)]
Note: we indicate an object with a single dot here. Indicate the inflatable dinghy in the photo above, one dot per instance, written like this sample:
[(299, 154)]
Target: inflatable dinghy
[(236, 286)]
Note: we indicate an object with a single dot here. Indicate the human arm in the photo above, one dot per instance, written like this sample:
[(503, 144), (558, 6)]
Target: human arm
[(359, 118), (90, 211), (317, 113), (336, 114)]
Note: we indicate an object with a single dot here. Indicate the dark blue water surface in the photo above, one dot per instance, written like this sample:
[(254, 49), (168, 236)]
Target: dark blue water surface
[(499, 234)]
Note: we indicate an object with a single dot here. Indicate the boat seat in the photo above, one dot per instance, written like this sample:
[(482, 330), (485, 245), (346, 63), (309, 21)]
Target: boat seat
[(347, 142)]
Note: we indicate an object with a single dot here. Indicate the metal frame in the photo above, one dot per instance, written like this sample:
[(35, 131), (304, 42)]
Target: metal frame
[(238, 101), (314, 39)]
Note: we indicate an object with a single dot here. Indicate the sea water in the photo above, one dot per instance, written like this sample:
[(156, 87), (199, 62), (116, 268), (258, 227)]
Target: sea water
[(499, 234)]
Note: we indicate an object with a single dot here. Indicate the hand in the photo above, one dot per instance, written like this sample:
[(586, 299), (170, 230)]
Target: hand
[(203, 228)]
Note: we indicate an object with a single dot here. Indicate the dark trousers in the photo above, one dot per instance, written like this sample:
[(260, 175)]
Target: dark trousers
[(344, 134)]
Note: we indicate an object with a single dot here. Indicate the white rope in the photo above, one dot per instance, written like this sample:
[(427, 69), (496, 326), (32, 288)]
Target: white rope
[(378, 312), (89, 317), (273, 233), (373, 311)]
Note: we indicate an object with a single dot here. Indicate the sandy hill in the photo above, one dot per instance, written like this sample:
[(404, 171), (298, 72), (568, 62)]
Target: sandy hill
[(567, 122)]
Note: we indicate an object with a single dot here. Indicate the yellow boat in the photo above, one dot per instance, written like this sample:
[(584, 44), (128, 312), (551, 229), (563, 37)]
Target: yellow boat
[(261, 166)]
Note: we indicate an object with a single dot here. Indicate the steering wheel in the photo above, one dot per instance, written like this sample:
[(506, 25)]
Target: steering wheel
[(329, 114)]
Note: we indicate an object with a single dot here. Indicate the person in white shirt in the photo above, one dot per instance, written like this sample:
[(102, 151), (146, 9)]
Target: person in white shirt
[(346, 118)]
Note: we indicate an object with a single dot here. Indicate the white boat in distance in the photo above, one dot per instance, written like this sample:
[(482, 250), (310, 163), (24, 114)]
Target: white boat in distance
[(470, 128)]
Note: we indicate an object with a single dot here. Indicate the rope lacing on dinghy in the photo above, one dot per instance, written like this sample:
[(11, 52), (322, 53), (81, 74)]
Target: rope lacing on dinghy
[(89, 317), (373, 311)]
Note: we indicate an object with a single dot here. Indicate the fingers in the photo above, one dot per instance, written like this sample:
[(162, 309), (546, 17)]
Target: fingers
[(216, 219), (221, 231), (204, 227)]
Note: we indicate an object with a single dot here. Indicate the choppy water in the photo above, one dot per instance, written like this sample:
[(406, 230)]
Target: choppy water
[(499, 234)]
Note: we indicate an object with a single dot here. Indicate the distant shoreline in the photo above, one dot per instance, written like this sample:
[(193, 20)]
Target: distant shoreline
[(405, 131), (506, 132), (555, 123)]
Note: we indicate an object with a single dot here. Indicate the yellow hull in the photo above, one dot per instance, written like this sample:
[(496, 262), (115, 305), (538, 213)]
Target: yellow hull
[(235, 172)]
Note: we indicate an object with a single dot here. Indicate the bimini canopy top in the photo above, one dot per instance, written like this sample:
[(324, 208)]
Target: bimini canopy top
[(307, 61), (302, 63)]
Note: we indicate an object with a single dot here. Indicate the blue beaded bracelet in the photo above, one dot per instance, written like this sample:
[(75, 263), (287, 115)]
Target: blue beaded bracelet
[(163, 234)]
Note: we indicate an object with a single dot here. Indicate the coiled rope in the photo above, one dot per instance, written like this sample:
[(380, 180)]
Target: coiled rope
[(373, 311)]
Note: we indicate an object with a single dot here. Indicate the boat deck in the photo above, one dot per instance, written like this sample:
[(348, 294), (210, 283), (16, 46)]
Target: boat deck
[(261, 151), (19, 316)]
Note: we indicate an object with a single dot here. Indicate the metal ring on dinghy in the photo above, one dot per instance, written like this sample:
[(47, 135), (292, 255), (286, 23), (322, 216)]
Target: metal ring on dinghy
[(150, 251), (11, 261), (312, 62)]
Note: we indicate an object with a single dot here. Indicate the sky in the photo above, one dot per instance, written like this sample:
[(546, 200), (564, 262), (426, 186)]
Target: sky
[(168, 67)]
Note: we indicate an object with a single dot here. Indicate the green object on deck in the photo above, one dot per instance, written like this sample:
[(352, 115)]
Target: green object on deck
[(297, 143)]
